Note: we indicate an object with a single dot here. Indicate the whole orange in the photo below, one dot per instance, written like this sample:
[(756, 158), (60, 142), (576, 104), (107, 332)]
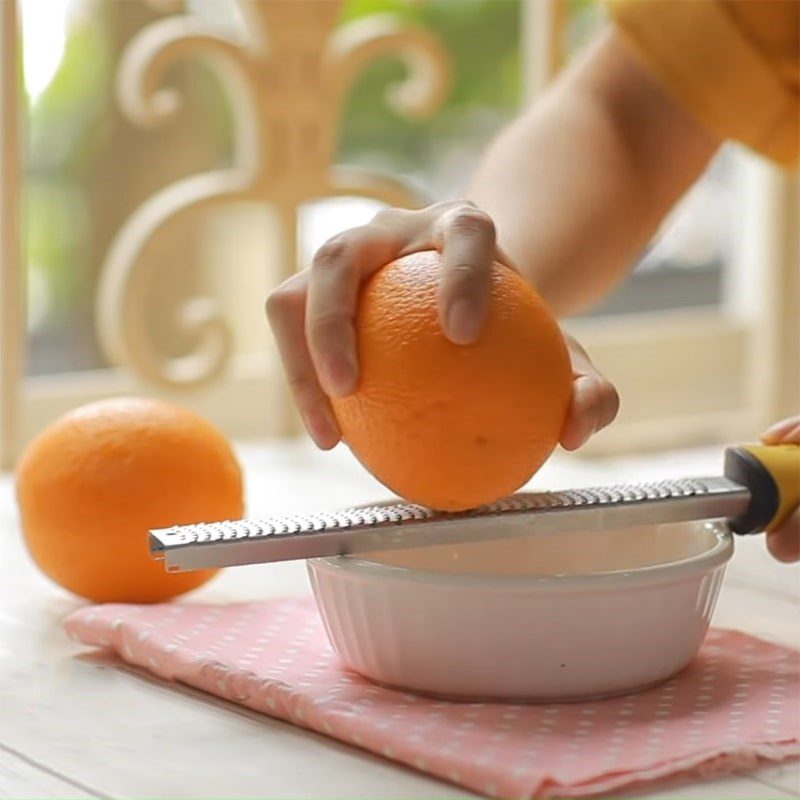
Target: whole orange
[(93, 484), (452, 426)]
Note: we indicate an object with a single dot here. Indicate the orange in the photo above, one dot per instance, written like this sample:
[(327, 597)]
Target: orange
[(452, 426), (93, 484)]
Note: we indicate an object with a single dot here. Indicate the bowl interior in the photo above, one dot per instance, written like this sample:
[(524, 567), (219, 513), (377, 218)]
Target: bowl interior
[(573, 553)]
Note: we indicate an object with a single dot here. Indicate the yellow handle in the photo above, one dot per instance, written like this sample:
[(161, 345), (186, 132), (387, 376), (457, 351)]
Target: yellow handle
[(772, 473)]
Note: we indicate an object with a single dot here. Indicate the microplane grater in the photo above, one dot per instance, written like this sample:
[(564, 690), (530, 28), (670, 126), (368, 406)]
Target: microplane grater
[(403, 525)]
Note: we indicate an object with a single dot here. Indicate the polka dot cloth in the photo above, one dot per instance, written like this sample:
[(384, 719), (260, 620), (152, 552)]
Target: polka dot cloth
[(737, 705)]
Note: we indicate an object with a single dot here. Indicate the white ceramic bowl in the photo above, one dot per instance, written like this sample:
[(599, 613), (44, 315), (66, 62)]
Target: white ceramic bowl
[(545, 617)]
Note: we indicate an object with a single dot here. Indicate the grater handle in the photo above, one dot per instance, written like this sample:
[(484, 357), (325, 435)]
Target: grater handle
[(772, 474)]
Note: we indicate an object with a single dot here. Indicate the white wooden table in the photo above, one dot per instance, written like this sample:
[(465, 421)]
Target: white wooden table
[(73, 725)]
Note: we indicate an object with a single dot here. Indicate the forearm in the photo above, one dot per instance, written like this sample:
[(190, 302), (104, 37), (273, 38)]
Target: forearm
[(578, 185)]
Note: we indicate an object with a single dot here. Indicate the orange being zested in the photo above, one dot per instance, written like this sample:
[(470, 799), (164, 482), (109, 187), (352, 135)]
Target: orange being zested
[(93, 484), (445, 425)]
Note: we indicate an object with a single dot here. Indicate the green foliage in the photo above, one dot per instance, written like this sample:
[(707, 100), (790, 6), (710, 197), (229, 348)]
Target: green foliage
[(67, 121), (482, 37), (66, 126)]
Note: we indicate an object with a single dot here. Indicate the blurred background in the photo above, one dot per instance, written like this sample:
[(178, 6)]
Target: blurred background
[(88, 167), (84, 170)]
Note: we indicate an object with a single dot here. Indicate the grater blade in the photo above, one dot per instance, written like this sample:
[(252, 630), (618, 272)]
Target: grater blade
[(403, 525)]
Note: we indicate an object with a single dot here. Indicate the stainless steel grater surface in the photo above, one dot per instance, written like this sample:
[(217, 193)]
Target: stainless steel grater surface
[(403, 525)]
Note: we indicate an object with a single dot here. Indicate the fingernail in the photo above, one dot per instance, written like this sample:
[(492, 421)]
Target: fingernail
[(572, 441), (339, 375), (773, 432), (463, 324), (785, 431), (323, 429)]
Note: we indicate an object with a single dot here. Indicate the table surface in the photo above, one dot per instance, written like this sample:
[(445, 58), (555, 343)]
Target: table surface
[(74, 725)]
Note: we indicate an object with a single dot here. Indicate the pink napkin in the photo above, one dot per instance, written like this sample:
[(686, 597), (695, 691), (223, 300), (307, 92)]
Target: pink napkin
[(737, 705)]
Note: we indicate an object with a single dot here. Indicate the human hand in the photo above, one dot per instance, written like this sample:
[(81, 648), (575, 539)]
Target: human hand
[(312, 313), (784, 542)]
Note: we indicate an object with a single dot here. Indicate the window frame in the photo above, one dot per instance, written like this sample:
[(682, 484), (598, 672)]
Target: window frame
[(12, 281)]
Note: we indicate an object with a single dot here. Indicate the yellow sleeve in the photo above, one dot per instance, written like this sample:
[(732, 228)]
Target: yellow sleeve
[(734, 64)]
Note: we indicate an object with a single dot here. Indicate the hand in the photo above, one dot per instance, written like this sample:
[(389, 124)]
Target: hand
[(312, 313), (784, 542)]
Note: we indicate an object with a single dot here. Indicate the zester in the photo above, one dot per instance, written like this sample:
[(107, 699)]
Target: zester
[(759, 488)]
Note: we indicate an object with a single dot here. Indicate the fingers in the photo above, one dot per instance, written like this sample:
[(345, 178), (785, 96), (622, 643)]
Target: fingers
[(312, 314), (595, 404), (467, 239), (784, 542), (784, 432), (286, 310), (336, 273), (595, 401)]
